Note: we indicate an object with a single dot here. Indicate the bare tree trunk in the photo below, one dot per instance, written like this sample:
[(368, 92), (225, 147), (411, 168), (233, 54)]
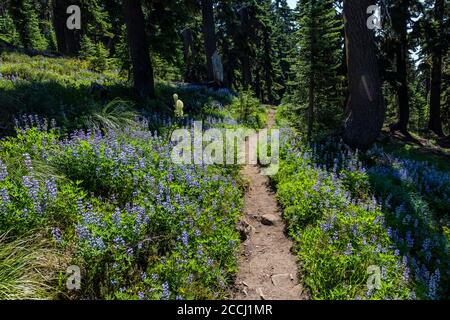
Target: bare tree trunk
[(209, 35), (246, 71), (312, 84), (268, 70), (435, 122), (400, 27), (189, 52), (68, 41), (137, 40), (311, 107), (366, 106), (244, 54), (258, 89)]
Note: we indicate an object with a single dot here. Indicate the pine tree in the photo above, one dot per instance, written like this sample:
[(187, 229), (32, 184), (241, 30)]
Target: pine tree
[(283, 24), (27, 24), (318, 58)]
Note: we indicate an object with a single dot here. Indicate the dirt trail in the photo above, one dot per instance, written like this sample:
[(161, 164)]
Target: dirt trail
[(267, 268)]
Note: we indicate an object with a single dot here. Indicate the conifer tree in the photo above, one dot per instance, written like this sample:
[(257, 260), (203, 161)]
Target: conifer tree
[(318, 58)]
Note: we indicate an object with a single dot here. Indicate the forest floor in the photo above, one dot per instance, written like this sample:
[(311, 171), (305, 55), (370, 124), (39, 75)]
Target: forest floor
[(267, 267)]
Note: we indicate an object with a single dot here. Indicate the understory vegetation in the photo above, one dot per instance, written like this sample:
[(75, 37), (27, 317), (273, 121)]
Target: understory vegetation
[(349, 212)]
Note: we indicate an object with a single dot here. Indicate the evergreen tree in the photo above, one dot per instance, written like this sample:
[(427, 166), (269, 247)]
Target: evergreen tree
[(318, 58), (27, 24)]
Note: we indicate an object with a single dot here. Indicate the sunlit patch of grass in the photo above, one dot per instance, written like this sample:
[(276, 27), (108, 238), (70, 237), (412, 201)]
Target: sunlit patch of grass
[(116, 114), (28, 266)]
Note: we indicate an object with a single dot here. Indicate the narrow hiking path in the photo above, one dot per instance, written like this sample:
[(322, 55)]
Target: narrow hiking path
[(267, 268)]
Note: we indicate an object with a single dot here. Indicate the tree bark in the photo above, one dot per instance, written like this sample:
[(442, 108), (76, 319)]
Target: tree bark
[(188, 52), (68, 41), (144, 85), (312, 84), (435, 121), (244, 54), (400, 28), (366, 108), (209, 35), (268, 69), (311, 107)]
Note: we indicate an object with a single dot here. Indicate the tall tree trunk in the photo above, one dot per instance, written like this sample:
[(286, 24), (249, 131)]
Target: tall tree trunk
[(366, 106), (144, 85), (245, 52), (258, 88), (400, 27), (209, 35), (312, 84), (268, 70), (435, 122), (68, 41), (188, 52), (311, 107), (246, 71)]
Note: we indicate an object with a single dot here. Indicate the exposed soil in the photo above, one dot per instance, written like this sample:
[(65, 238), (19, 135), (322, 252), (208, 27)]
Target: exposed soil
[(267, 267)]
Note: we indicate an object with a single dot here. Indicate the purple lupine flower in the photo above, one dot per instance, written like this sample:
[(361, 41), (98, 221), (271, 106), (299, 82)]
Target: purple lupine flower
[(349, 249), (56, 233), (185, 238), (118, 241), (433, 285), (28, 162), (335, 236), (130, 252), (51, 187), (141, 295), (409, 239), (383, 272), (406, 274), (404, 260), (98, 243), (4, 197), (165, 291), (117, 217), (3, 171), (82, 232), (389, 232)]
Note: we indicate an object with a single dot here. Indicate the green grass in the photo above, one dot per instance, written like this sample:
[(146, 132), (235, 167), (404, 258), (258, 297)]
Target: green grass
[(28, 268), (417, 153)]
